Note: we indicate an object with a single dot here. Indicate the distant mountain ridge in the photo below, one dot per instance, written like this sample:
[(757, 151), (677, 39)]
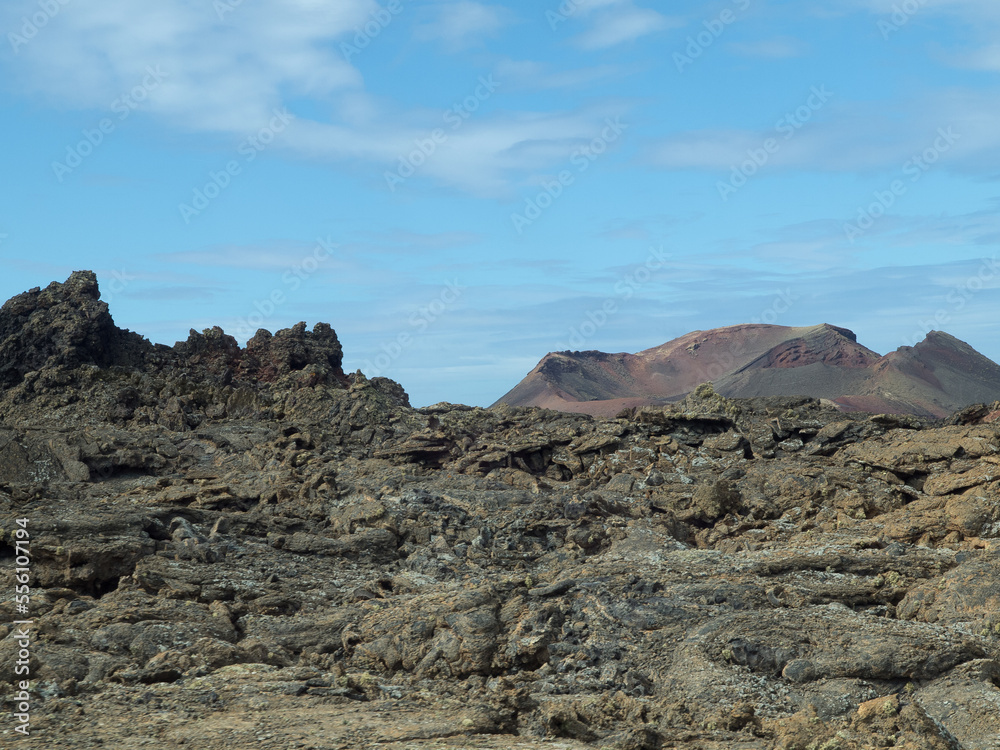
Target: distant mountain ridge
[(938, 376)]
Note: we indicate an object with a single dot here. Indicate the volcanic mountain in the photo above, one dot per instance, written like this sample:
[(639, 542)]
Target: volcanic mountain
[(934, 378)]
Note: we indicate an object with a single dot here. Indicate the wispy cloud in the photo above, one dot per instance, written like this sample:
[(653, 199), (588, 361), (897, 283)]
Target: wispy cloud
[(461, 24), (486, 157), (986, 58), (967, 9), (226, 77), (623, 22), (222, 75), (852, 137)]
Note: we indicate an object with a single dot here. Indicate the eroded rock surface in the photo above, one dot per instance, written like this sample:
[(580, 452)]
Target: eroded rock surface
[(246, 547)]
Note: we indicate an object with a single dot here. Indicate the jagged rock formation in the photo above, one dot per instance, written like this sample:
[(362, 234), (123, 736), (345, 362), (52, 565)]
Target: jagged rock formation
[(934, 378), (246, 548), (63, 326)]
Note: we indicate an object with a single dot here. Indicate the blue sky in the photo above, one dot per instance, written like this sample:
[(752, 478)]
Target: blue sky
[(460, 187)]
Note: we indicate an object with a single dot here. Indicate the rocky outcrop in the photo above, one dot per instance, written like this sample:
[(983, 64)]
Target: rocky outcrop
[(60, 347), (290, 558), (63, 326), (212, 355)]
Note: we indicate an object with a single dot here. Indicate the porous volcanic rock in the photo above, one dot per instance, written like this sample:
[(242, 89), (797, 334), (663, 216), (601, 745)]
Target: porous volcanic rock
[(244, 547), (63, 325)]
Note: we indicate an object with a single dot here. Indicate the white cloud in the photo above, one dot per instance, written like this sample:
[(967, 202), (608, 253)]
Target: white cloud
[(225, 75), (483, 157), (460, 24), (973, 10), (623, 22), (979, 21), (986, 58), (221, 74), (585, 7), (855, 137)]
